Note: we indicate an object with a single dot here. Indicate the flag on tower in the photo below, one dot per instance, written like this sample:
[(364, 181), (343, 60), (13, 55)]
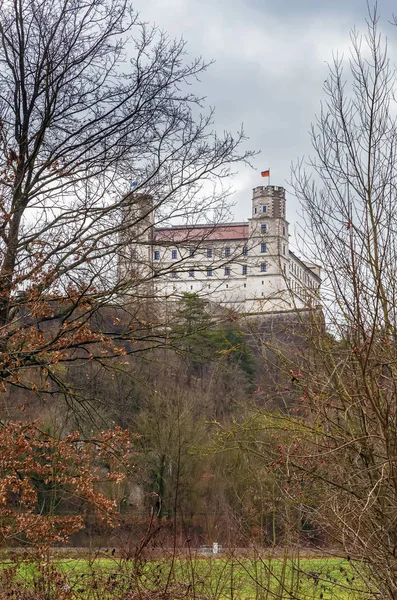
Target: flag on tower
[(265, 173)]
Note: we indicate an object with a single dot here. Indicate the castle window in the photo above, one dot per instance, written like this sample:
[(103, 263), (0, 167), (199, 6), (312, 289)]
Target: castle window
[(255, 210), (227, 271), (245, 251), (284, 269), (227, 251), (245, 269), (191, 273), (263, 267), (264, 228), (264, 209), (173, 273), (191, 251), (283, 230), (157, 255), (173, 254), (209, 272), (209, 252), (263, 248), (245, 285)]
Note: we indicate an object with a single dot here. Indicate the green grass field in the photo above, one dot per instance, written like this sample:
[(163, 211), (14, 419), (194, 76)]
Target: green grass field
[(225, 578)]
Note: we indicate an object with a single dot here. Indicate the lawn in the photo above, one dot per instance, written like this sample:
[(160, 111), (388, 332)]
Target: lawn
[(224, 578)]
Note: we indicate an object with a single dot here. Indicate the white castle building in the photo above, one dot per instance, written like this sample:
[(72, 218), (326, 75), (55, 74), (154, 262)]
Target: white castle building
[(246, 266)]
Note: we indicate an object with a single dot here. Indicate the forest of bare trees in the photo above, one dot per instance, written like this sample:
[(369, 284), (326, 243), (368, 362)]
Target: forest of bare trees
[(129, 426)]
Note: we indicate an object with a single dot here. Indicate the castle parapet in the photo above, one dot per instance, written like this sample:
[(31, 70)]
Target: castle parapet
[(269, 190)]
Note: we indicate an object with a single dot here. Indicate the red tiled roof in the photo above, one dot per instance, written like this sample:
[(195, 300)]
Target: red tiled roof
[(234, 231)]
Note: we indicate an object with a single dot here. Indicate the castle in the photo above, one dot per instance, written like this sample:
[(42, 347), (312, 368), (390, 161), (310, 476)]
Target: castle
[(247, 266)]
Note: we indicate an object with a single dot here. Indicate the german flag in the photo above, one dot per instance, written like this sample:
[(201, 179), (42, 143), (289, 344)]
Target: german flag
[(265, 173)]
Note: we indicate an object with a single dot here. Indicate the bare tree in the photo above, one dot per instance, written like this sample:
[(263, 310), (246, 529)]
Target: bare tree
[(345, 434), (332, 435), (91, 101)]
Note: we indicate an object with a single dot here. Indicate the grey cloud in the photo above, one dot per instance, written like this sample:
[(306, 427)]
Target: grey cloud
[(270, 64)]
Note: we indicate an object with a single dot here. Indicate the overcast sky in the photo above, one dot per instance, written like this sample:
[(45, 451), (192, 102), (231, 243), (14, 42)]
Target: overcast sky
[(270, 65)]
